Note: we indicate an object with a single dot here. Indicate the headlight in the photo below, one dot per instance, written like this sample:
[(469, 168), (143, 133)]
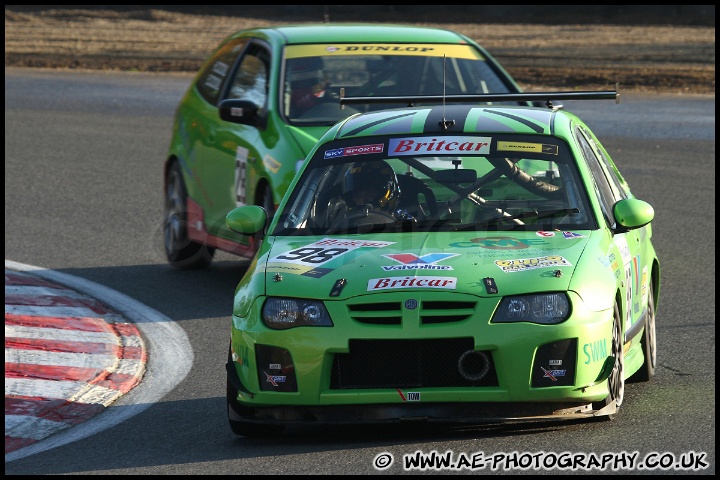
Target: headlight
[(543, 308), (282, 313)]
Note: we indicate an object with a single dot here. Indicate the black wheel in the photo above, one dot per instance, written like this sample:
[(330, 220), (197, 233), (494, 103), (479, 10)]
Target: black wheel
[(648, 342), (616, 380), (237, 415), (181, 252)]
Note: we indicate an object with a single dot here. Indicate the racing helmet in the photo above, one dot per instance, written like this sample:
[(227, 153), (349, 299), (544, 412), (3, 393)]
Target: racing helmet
[(372, 183)]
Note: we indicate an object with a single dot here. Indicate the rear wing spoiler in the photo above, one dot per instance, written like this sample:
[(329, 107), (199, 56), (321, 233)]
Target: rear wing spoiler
[(546, 97)]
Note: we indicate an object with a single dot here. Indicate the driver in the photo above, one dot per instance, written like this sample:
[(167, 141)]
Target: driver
[(370, 187), (307, 83)]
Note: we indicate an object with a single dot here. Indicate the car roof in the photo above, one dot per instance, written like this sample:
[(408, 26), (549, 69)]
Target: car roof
[(456, 119), (356, 32)]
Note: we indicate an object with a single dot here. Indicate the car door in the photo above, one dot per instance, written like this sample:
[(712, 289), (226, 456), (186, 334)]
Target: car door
[(231, 153)]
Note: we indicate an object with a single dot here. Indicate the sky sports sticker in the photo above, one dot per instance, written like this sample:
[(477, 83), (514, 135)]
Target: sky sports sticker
[(355, 150), (439, 145)]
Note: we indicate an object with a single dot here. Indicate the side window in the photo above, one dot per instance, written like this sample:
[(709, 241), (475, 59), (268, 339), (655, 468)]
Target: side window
[(250, 81), (602, 186), (616, 180), (212, 77)]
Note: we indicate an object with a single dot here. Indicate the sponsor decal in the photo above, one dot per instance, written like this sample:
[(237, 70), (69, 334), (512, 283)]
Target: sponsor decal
[(271, 164), (413, 49), (392, 283), (501, 243), (553, 374), (354, 150), (241, 162), (350, 243), (213, 82), (274, 379), (220, 68), (572, 235), (442, 145), (322, 251), (275, 366), (555, 363), (542, 233), (523, 264), (410, 261), (526, 147), (595, 351), (411, 396)]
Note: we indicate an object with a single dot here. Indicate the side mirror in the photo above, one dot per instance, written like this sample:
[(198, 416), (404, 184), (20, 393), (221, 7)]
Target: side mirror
[(246, 220), (239, 111), (632, 213)]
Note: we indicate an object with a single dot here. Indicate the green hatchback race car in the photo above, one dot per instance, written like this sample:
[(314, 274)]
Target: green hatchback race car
[(449, 263), (263, 98)]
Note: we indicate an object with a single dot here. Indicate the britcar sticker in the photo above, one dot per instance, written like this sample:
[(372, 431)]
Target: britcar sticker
[(572, 235), (354, 150), (523, 264), (410, 261), (392, 283), (434, 145)]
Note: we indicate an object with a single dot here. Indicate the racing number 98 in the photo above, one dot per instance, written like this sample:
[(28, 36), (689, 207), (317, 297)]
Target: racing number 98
[(312, 255)]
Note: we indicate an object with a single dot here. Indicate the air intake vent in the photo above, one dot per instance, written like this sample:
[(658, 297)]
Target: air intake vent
[(446, 312), (384, 313)]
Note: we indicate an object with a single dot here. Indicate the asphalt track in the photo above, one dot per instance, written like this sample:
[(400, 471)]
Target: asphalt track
[(69, 356)]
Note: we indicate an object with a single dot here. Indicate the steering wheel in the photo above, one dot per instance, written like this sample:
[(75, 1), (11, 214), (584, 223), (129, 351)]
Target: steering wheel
[(372, 217)]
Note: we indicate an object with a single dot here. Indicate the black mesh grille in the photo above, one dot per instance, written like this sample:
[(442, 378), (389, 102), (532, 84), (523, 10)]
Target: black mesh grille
[(405, 364)]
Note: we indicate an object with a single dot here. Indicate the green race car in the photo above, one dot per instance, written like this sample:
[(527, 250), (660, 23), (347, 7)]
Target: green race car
[(450, 263), (264, 97)]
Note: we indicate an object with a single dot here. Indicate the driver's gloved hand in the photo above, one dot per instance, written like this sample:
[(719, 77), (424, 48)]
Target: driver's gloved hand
[(403, 215)]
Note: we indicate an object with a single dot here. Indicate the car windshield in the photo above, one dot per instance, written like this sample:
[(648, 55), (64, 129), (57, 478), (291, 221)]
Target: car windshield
[(315, 74), (499, 183)]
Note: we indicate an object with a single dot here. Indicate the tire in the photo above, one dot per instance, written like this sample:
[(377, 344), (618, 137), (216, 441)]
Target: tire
[(181, 252), (649, 343), (236, 414), (616, 380)]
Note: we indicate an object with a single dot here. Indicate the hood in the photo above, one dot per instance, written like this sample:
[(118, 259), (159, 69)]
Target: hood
[(463, 262)]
